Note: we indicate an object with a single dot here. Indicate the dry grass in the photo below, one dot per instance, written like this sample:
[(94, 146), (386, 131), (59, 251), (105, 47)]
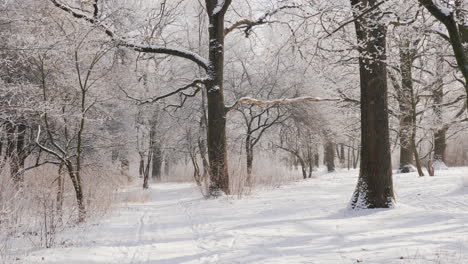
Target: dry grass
[(29, 215)]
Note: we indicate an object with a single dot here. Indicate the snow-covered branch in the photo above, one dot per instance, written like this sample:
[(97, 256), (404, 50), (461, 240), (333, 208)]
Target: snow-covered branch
[(120, 41), (279, 101), (248, 24), (195, 83)]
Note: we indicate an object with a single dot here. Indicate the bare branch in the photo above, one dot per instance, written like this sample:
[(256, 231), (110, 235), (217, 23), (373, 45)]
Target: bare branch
[(279, 101), (355, 18), (248, 24), (119, 41), (195, 83)]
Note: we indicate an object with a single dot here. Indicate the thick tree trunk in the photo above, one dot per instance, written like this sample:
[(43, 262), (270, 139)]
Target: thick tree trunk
[(375, 187), (217, 144), (330, 156)]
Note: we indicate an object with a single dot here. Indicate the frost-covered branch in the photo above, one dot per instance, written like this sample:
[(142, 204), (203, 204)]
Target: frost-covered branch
[(279, 101), (195, 83), (446, 17), (248, 24), (120, 41), (357, 17)]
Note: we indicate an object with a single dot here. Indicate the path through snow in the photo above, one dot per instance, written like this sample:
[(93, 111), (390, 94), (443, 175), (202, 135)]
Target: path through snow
[(305, 222)]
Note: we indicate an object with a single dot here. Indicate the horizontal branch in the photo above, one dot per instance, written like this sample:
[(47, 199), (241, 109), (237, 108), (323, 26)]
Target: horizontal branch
[(248, 24), (119, 41), (279, 101), (195, 83)]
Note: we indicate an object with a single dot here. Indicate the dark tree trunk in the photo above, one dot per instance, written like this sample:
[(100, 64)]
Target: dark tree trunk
[(249, 156), (316, 160), (303, 167), (157, 162), (217, 144), (440, 145), (202, 139), (167, 163), (60, 191), (356, 157), (146, 171), (76, 182), (405, 101), (375, 187), (408, 99), (349, 158), (141, 167), (10, 141), (342, 155), (440, 135), (330, 156), (19, 156)]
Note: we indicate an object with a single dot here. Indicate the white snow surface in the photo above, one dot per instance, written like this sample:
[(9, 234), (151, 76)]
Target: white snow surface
[(303, 222)]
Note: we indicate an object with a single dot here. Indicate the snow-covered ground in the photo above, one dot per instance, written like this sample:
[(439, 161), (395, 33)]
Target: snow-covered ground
[(304, 222)]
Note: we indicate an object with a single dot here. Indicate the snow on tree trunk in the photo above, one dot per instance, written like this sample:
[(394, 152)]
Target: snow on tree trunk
[(375, 187)]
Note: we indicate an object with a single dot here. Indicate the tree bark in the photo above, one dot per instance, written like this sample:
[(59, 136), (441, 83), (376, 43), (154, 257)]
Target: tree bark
[(217, 143), (250, 157), (405, 101), (316, 160), (375, 186), (408, 99), (156, 161), (440, 135), (330, 156)]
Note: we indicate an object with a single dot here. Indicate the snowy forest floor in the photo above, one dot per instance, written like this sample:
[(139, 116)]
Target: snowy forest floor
[(303, 222)]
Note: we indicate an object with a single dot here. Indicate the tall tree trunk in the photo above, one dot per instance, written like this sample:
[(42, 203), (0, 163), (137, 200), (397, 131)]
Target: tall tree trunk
[(19, 156), (316, 160), (60, 191), (10, 130), (249, 156), (407, 97), (330, 156), (167, 163), (217, 144), (157, 162), (303, 168), (141, 167), (440, 135), (405, 102), (342, 155), (76, 182), (202, 139), (375, 186)]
